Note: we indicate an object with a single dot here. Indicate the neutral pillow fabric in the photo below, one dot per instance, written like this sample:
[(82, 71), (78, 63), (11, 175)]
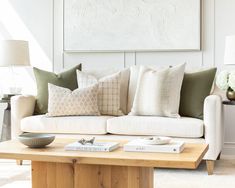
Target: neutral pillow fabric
[(66, 79), (109, 91), (195, 88), (64, 102), (158, 92), (124, 86)]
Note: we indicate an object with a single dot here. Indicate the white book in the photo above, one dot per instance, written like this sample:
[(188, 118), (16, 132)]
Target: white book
[(97, 146), (137, 146)]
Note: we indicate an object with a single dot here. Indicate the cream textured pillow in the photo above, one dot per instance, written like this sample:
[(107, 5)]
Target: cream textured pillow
[(109, 91), (64, 102), (158, 92)]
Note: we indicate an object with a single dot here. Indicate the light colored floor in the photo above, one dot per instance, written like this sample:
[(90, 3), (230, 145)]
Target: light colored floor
[(13, 176)]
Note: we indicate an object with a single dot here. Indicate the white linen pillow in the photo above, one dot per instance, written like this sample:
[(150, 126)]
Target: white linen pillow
[(158, 92), (109, 91), (64, 102)]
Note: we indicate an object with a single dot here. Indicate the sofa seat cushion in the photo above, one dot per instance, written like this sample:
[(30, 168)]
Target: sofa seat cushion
[(149, 125), (67, 125)]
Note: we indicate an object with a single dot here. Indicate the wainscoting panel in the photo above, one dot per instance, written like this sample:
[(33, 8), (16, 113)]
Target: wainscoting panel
[(193, 59), (130, 59), (95, 60)]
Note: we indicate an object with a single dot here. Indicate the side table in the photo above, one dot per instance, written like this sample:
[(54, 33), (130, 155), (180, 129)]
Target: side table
[(229, 102), (6, 126), (229, 128)]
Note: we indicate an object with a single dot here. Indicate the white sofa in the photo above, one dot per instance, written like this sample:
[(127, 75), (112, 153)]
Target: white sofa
[(208, 130)]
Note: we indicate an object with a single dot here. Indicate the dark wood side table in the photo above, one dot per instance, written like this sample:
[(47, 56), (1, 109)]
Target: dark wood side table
[(229, 128), (6, 126), (229, 102)]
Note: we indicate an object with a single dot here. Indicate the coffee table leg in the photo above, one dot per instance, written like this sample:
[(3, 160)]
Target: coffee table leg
[(52, 175), (100, 176), (65, 175)]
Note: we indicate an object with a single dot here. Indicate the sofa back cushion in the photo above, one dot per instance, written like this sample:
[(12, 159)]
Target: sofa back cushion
[(134, 75)]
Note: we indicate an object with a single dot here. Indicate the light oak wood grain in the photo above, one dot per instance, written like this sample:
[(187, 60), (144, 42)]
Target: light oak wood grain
[(52, 175), (19, 162), (66, 175), (210, 166), (189, 158), (53, 167)]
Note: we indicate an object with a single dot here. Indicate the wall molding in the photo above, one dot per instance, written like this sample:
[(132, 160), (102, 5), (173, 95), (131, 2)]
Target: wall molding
[(205, 57), (228, 148)]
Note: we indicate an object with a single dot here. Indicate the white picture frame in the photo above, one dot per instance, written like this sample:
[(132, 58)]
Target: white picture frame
[(132, 25)]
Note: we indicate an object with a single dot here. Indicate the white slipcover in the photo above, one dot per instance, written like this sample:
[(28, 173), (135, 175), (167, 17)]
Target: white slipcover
[(68, 124), (153, 125)]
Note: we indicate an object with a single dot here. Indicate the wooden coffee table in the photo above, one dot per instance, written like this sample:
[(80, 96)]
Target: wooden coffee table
[(53, 167)]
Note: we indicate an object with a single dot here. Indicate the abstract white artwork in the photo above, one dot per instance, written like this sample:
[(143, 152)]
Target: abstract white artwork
[(131, 25)]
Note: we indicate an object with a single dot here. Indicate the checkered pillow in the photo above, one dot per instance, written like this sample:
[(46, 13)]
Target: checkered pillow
[(109, 91)]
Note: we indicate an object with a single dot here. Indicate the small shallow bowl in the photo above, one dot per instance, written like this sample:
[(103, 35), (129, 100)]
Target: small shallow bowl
[(156, 140), (36, 140)]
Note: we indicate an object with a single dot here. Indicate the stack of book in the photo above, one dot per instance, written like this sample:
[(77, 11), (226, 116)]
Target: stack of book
[(97, 146), (138, 146)]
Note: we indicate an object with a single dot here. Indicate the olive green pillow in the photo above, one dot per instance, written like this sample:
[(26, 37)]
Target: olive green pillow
[(195, 88), (67, 79)]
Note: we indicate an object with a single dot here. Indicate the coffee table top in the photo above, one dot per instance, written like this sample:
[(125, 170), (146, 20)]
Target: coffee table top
[(190, 158)]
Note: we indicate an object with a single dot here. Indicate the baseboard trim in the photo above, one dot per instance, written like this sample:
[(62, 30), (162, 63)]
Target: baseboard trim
[(228, 148)]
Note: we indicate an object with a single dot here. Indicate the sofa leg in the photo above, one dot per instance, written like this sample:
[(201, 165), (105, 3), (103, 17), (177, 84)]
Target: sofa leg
[(210, 166), (218, 158), (19, 162)]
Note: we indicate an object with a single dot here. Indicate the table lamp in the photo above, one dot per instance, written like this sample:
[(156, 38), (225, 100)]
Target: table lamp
[(14, 53), (229, 55)]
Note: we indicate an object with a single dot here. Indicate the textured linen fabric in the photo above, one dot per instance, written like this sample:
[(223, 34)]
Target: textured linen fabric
[(65, 125), (109, 91), (196, 87), (213, 125), (66, 79), (134, 75), (64, 102), (125, 76), (158, 92), (21, 106), (153, 125)]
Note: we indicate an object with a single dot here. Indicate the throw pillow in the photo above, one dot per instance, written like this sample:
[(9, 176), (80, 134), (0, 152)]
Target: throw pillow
[(158, 92), (195, 88), (64, 102), (125, 75), (109, 91), (65, 79)]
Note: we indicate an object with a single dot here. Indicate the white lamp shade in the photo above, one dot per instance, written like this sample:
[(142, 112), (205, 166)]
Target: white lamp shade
[(14, 53), (229, 56)]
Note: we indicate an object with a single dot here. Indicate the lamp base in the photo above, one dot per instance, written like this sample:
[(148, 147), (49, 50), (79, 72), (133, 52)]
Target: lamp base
[(230, 95)]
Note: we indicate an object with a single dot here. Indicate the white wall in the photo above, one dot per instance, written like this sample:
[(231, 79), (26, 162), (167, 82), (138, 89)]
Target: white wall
[(30, 20), (122, 59), (43, 26), (224, 25)]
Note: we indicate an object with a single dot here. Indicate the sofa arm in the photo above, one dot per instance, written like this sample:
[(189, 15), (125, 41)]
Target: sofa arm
[(21, 107), (213, 126)]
